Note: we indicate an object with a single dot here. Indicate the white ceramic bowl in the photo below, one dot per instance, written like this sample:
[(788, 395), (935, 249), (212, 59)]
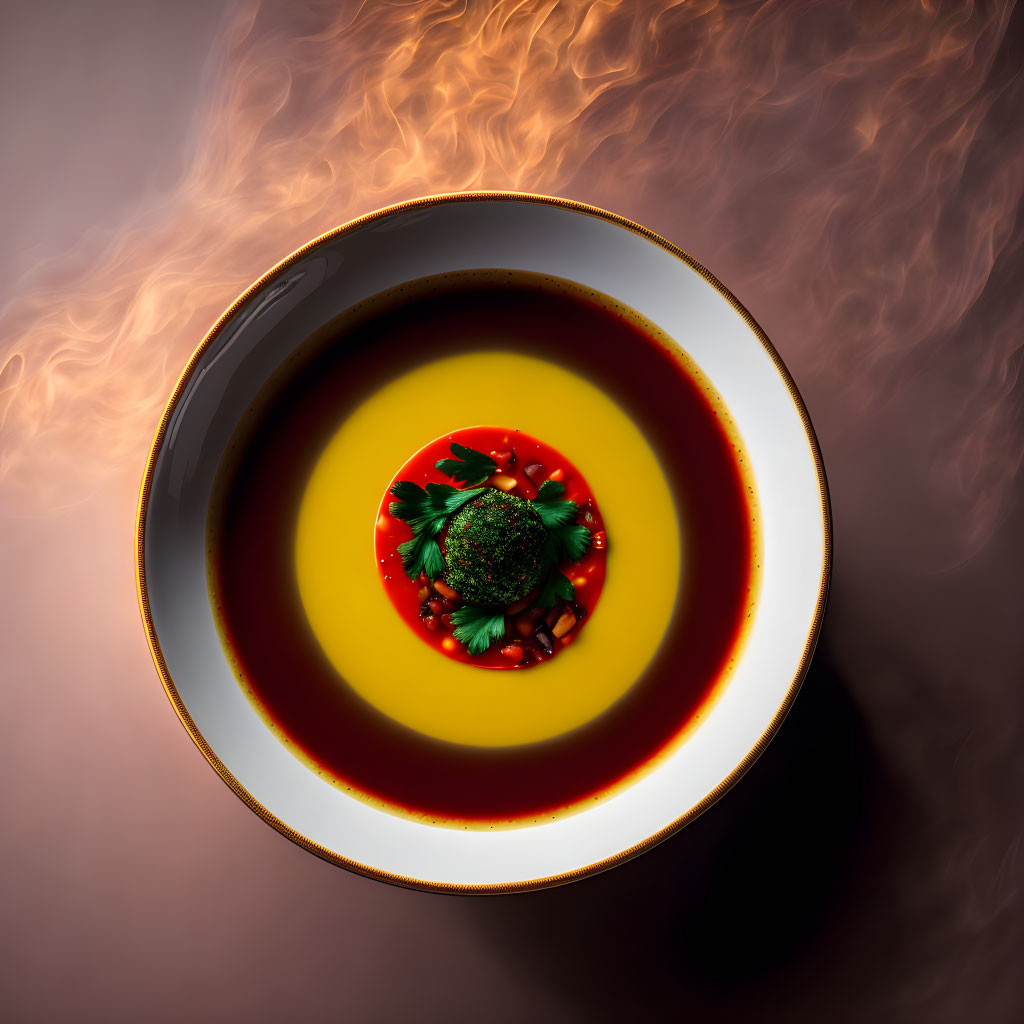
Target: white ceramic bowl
[(377, 252)]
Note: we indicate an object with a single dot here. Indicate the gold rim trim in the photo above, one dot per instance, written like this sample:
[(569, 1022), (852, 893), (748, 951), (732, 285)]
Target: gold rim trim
[(536, 883)]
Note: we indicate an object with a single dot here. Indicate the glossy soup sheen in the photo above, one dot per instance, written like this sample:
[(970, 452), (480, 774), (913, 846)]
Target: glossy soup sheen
[(279, 662)]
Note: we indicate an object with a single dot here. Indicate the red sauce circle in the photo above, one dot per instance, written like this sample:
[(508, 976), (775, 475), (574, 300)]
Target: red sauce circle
[(404, 593)]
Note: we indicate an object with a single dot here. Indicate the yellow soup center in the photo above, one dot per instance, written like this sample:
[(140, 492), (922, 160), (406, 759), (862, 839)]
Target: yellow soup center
[(363, 636)]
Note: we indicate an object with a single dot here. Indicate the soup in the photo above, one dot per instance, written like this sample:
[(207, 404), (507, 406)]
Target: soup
[(324, 655)]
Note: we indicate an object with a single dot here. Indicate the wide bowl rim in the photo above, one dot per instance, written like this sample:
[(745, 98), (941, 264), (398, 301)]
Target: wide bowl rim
[(691, 813)]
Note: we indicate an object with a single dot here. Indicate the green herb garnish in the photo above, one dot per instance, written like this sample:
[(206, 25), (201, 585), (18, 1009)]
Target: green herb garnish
[(478, 627), (567, 541), (474, 467), (502, 546), (426, 511), (421, 554), (553, 511), (493, 549), (557, 587)]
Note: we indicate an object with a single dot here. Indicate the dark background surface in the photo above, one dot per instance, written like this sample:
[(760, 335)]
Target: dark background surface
[(853, 173)]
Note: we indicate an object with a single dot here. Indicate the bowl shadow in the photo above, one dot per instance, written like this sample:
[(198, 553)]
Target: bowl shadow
[(737, 902)]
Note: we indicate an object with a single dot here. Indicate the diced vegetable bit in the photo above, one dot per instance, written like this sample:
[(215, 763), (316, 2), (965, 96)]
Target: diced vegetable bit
[(565, 622), (503, 460), (424, 593), (517, 606), (535, 473), (445, 591), (430, 621), (557, 474), (543, 637), (513, 652), (502, 481)]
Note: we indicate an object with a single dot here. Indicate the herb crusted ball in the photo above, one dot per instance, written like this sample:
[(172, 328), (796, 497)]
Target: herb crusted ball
[(492, 549)]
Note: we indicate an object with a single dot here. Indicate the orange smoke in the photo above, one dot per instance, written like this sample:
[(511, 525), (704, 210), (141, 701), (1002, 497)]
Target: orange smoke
[(817, 159)]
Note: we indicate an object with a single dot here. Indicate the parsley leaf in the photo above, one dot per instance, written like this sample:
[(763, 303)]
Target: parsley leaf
[(474, 467), (445, 499), (556, 587), (426, 512), (573, 541), (414, 507), (550, 490), (554, 513), (567, 541), (478, 627), (421, 554)]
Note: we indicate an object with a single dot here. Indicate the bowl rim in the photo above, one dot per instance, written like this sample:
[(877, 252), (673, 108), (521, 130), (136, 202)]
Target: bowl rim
[(624, 855)]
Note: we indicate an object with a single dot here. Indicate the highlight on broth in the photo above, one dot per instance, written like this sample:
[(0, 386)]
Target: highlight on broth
[(501, 567), (332, 646)]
